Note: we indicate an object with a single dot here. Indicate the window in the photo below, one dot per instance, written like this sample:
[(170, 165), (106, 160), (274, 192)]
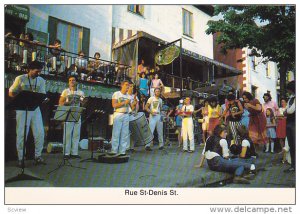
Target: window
[(252, 63), (268, 70), (254, 91), (74, 38), (187, 19), (136, 8)]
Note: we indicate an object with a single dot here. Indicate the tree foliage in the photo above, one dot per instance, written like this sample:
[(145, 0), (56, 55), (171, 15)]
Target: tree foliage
[(270, 29)]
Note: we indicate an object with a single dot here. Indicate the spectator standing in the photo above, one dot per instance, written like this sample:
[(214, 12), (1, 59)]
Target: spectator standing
[(291, 124), (257, 121)]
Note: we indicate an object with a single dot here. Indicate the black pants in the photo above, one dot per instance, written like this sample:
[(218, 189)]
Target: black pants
[(290, 133)]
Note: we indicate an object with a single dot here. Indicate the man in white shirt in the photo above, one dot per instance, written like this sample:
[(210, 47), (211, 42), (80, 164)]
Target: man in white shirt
[(121, 103), (187, 125), (153, 107), (34, 83), (71, 96)]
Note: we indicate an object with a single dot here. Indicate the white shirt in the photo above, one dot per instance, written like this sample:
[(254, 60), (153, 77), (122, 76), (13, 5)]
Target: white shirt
[(189, 108), (155, 104), (131, 97), (121, 98), (245, 143), (223, 143), (74, 97), (25, 83), (291, 109)]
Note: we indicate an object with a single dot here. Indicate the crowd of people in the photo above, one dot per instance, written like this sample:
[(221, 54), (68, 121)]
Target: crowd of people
[(239, 128)]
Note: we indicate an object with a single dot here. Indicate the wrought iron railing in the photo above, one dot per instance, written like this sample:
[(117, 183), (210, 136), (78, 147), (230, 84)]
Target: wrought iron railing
[(58, 62)]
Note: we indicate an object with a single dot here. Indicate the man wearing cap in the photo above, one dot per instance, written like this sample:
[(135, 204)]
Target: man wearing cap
[(34, 83)]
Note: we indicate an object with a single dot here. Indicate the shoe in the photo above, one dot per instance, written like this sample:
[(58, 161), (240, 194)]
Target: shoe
[(249, 176), (147, 148), (122, 155), (20, 164), (184, 150), (266, 151), (240, 180), (75, 157), (190, 151), (132, 150), (39, 161), (161, 148), (66, 157), (291, 169)]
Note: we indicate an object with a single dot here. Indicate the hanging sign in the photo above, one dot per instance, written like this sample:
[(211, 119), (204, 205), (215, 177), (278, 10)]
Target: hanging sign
[(167, 55), (19, 11)]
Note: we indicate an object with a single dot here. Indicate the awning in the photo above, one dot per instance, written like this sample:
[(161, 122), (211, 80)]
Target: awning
[(124, 36), (57, 85), (18, 11), (211, 61)]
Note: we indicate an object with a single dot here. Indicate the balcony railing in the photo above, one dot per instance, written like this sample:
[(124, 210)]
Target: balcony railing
[(58, 62)]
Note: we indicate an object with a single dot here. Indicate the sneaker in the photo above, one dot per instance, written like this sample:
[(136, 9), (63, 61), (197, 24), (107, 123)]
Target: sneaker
[(240, 180), (291, 169), (147, 148), (66, 157), (75, 157), (39, 161), (161, 148), (190, 151), (249, 176), (122, 155), (184, 150)]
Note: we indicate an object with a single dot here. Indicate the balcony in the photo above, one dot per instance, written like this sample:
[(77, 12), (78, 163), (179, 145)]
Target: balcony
[(90, 71)]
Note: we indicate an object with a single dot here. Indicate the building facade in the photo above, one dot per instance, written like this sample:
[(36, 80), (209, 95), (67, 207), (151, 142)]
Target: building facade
[(259, 76)]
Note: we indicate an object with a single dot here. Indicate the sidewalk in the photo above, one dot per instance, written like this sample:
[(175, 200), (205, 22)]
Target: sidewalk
[(157, 168)]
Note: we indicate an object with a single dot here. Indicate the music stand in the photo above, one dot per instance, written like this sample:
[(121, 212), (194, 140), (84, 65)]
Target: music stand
[(92, 118), (25, 101), (67, 114)]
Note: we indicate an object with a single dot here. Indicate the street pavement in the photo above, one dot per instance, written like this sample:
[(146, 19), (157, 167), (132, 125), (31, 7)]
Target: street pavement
[(158, 168)]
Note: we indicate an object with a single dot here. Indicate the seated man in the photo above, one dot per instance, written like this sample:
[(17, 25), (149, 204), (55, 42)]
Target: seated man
[(217, 156)]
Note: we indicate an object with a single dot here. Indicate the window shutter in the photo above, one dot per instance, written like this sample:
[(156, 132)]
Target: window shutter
[(86, 41), (52, 29), (142, 10)]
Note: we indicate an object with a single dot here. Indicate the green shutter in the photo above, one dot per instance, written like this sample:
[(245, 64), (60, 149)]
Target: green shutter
[(52, 29), (86, 41)]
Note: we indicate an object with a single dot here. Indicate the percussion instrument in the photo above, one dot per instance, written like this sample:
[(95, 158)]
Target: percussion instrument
[(139, 129), (55, 147), (98, 143)]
